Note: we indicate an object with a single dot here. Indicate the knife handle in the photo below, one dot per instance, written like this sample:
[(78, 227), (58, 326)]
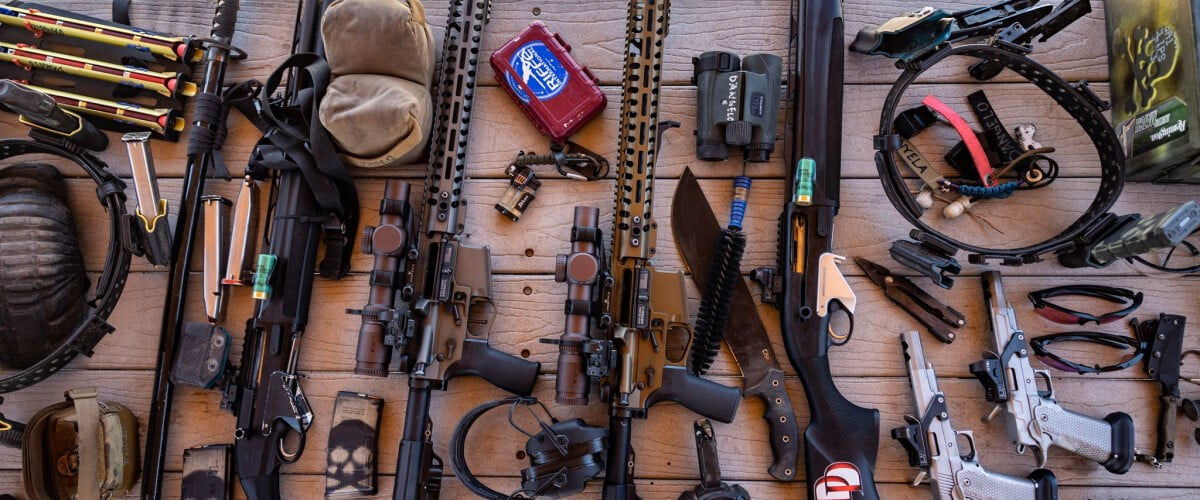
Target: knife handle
[(781, 420)]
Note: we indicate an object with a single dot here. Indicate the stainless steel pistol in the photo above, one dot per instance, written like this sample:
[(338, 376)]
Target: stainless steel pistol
[(933, 444), (1034, 418)]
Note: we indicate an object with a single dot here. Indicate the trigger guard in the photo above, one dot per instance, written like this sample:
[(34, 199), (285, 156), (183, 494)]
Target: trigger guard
[(971, 441), (1045, 375), (285, 456), (835, 306)]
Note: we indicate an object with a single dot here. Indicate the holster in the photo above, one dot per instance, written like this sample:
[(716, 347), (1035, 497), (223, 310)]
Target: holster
[(82, 449)]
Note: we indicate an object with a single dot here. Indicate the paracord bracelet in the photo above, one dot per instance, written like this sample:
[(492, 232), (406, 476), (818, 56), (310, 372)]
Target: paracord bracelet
[(1077, 100), (111, 192)]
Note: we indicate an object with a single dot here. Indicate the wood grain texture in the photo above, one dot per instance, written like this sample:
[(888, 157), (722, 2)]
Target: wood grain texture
[(869, 370)]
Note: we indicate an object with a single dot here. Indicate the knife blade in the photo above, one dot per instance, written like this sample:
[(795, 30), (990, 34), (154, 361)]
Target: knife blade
[(696, 230)]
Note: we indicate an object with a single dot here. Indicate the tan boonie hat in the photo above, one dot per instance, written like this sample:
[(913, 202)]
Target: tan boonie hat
[(378, 108)]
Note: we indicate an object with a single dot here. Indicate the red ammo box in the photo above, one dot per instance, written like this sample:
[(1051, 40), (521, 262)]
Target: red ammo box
[(557, 94)]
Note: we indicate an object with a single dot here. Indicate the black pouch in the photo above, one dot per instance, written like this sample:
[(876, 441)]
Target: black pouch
[(43, 284)]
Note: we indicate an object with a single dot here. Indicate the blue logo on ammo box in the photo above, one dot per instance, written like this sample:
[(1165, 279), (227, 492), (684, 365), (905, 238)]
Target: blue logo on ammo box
[(539, 69)]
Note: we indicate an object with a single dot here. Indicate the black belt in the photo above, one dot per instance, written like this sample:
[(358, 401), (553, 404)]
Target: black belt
[(122, 245), (1078, 100)]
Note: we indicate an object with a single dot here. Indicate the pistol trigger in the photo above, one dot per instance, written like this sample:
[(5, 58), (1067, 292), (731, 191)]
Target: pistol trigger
[(919, 478)]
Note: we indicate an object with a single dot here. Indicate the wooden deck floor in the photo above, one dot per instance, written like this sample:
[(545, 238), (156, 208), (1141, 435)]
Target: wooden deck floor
[(869, 370)]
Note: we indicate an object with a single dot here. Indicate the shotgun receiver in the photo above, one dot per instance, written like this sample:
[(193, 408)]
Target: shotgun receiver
[(1035, 420), (841, 442), (439, 313), (639, 354)]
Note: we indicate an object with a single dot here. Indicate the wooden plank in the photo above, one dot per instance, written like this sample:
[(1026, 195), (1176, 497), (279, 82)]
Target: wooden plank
[(529, 308), (867, 225), (663, 442), (496, 138), (311, 486)]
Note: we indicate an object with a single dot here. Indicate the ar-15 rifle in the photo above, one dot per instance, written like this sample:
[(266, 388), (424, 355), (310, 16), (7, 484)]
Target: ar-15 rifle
[(931, 442), (640, 357), (841, 442), (429, 297), (1034, 418)]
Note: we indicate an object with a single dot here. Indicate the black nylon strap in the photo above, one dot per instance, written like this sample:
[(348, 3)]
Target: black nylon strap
[(286, 146), (1079, 106), (94, 327)]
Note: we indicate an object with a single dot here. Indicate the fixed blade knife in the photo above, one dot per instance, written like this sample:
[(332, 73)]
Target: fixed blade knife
[(696, 230)]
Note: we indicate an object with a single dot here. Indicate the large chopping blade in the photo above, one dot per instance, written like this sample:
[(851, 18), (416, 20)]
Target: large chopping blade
[(696, 230)]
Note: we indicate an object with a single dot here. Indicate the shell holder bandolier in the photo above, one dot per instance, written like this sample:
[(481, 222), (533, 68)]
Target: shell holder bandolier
[(127, 79)]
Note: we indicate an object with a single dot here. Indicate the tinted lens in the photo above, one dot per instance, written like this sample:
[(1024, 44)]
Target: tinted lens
[(1061, 317), (1056, 364)]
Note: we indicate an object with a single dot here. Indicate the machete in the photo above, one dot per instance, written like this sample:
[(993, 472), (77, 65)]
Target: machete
[(695, 235)]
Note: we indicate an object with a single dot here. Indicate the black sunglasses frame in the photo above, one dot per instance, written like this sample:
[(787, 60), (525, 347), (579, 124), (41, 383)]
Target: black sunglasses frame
[(1109, 293)]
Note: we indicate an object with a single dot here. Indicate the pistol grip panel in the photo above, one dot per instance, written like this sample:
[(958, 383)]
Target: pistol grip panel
[(501, 369), (705, 397), (781, 421)]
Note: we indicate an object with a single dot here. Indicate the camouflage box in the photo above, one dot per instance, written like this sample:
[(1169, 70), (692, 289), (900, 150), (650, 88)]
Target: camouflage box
[(1152, 53)]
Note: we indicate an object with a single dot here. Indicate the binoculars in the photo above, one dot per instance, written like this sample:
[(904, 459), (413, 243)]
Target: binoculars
[(738, 104)]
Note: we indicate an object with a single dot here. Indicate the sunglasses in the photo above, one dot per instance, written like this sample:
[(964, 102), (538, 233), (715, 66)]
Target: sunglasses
[(1040, 349), (1067, 316)]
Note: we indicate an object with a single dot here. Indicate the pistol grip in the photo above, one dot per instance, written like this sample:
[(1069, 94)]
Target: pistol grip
[(501, 369), (705, 397), (781, 420)]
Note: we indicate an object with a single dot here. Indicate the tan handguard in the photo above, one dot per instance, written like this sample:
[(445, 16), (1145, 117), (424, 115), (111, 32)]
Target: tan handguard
[(82, 449)]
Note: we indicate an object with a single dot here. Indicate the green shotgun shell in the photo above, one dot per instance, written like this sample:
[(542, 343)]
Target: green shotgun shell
[(806, 171), (262, 275)]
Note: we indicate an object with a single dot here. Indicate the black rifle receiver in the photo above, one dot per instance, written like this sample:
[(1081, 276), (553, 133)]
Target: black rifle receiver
[(842, 439), (447, 287)]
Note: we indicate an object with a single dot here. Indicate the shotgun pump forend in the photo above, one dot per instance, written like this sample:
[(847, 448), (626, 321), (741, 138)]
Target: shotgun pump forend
[(932, 444), (1034, 418)]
